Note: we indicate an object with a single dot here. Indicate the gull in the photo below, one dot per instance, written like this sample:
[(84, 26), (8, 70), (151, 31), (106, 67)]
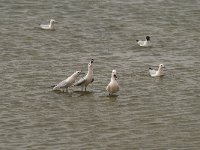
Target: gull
[(145, 43), (67, 82), (157, 73), (113, 86), (49, 26), (85, 81)]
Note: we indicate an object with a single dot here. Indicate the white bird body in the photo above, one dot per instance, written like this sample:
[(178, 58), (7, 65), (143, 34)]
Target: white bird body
[(67, 82), (113, 86), (49, 26), (85, 81), (157, 73), (145, 43)]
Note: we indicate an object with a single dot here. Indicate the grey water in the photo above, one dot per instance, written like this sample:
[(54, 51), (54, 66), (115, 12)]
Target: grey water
[(147, 113)]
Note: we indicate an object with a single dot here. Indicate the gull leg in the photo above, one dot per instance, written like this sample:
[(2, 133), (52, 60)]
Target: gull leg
[(66, 89)]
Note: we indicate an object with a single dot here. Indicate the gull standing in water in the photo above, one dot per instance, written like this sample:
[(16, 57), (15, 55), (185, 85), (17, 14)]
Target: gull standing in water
[(85, 81), (67, 82), (113, 86), (157, 73), (145, 43), (49, 26)]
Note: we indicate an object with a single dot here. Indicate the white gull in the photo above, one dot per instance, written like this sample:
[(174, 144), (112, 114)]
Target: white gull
[(49, 26), (145, 43), (68, 82), (113, 86), (157, 73), (85, 81)]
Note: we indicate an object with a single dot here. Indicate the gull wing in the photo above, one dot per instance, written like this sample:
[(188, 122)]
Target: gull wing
[(80, 82), (108, 88), (44, 26), (152, 72), (62, 84), (141, 43)]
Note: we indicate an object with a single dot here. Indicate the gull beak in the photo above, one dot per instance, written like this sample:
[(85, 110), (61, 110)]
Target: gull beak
[(115, 76), (92, 61)]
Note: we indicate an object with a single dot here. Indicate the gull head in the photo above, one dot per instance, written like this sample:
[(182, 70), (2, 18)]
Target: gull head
[(148, 38), (161, 66), (90, 64), (77, 73), (114, 74), (52, 21), (92, 61)]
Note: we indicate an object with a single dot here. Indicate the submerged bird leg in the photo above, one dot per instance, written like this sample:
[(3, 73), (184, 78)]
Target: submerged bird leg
[(82, 88)]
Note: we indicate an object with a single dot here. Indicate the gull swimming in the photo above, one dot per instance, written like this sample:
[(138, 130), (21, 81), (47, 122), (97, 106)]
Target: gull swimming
[(49, 26), (157, 73), (113, 86), (145, 43), (85, 81), (67, 82)]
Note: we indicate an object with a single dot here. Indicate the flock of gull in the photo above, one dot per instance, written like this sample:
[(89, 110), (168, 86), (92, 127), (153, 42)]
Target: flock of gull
[(113, 86)]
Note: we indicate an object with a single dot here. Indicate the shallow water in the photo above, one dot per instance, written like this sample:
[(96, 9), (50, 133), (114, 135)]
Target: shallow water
[(147, 113)]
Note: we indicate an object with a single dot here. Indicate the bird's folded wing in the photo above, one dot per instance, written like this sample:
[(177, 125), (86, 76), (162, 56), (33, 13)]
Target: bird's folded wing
[(152, 71), (108, 88), (80, 82), (62, 84), (140, 42)]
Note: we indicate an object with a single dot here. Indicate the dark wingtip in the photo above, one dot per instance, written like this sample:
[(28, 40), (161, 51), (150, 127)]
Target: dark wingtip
[(53, 86), (137, 40), (150, 68)]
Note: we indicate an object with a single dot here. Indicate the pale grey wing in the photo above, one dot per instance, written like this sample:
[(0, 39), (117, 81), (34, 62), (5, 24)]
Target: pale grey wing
[(80, 82), (44, 26), (140, 43), (108, 87), (152, 71), (63, 84)]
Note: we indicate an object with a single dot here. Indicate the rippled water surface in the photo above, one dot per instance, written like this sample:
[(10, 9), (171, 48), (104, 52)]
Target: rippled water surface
[(147, 113)]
